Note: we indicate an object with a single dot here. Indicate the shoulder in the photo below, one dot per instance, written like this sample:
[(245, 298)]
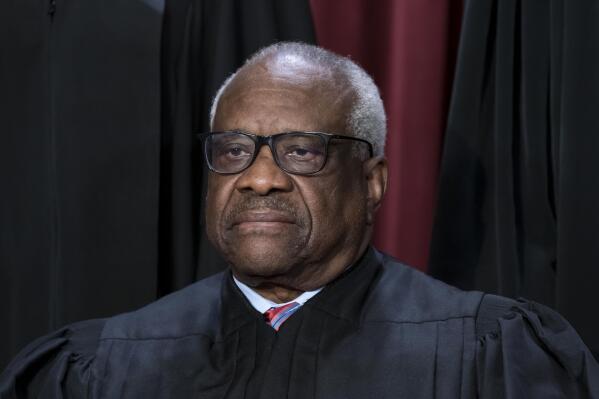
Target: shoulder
[(403, 294), (65, 360), (494, 308), (46, 363), (191, 310), (525, 346), (518, 326)]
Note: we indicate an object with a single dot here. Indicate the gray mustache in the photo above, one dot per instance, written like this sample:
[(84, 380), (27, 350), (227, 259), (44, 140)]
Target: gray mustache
[(251, 202)]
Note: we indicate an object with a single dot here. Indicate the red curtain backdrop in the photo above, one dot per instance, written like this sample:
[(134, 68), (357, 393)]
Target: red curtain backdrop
[(409, 47)]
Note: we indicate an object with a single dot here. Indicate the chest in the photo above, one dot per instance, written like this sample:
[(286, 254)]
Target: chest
[(311, 357)]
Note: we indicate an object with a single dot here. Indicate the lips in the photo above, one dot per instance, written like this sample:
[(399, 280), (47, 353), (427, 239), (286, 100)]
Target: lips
[(262, 217)]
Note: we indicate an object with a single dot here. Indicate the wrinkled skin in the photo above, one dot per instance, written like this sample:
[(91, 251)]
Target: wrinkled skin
[(281, 233)]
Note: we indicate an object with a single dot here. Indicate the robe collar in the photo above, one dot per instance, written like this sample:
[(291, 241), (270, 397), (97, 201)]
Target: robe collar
[(344, 298)]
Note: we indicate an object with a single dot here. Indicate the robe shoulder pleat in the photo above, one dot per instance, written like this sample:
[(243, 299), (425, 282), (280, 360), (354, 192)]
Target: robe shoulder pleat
[(527, 350)]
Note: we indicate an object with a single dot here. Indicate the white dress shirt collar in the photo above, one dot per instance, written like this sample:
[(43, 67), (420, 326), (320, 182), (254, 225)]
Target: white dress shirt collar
[(262, 304)]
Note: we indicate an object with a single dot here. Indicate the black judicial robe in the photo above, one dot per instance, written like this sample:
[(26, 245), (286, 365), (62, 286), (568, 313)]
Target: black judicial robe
[(381, 330)]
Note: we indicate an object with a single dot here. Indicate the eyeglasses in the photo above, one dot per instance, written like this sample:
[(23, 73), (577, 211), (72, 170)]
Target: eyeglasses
[(299, 153)]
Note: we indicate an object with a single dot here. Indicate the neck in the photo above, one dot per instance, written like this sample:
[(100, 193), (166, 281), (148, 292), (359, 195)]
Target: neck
[(277, 294), (282, 290)]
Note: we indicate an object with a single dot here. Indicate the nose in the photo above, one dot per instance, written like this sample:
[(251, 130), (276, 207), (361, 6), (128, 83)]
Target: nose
[(264, 175)]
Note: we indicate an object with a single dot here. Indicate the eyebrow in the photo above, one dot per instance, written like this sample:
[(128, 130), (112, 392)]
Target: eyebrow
[(284, 130)]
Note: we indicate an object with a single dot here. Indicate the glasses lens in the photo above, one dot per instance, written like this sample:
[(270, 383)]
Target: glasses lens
[(229, 152), (300, 152)]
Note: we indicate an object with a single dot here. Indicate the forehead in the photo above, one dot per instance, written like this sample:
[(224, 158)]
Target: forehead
[(272, 98)]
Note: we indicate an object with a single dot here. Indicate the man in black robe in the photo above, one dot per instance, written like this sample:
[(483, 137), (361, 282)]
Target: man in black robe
[(308, 308)]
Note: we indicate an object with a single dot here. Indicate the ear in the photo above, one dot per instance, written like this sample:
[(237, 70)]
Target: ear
[(375, 171)]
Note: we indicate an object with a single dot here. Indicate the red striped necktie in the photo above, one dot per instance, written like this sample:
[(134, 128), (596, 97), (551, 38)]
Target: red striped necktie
[(276, 316)]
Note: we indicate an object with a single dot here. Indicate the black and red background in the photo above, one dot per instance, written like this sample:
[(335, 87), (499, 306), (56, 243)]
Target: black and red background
[(492, 144)]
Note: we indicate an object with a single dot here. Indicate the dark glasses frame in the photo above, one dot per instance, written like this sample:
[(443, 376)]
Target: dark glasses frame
[(259, 141)]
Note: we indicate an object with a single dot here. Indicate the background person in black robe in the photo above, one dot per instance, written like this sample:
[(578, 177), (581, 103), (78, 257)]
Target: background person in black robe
[(376, 330)]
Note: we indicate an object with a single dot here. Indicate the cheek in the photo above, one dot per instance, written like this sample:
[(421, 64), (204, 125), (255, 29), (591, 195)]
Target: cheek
[(351, 200), (336, 205), (218, 193)]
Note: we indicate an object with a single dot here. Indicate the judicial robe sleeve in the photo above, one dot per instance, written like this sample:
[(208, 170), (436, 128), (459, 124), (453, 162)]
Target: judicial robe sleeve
[(527, 350), (58, 365)]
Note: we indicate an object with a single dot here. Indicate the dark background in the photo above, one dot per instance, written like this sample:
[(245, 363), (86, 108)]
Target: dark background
[(493, 143)]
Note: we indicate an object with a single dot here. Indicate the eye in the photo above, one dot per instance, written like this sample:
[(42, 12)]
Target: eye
[(302, 153), (235, 151)]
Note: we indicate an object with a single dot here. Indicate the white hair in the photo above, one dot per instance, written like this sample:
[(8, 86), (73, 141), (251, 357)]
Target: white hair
[(366, 119)]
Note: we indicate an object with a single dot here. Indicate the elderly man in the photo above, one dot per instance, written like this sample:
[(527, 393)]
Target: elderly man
[(308, 309)]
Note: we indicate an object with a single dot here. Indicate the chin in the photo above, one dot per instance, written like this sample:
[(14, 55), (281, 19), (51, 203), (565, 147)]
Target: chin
[(264, 257)]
